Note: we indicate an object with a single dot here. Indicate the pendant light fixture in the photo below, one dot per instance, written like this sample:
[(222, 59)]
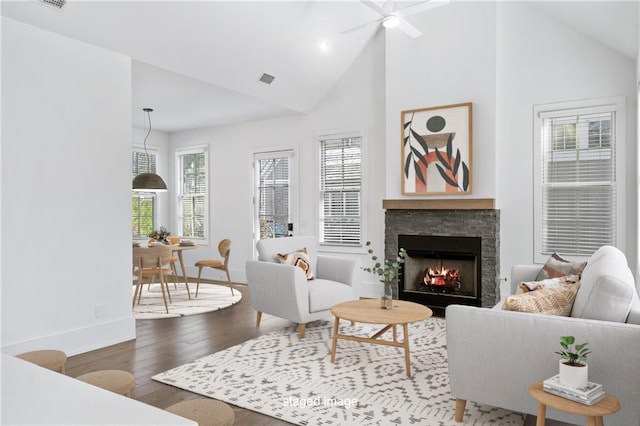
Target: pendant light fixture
[(148, 182)]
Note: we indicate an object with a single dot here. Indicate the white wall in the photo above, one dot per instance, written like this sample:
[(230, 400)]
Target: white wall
[(356, 102), (453, 62), (542, 61), (66, 144), (637, 161)]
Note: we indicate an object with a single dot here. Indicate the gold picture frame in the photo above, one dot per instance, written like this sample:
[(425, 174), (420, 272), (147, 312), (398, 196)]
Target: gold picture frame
[(436, 150)]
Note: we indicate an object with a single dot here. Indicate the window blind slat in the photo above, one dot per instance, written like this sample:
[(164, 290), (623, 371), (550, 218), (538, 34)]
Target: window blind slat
[(273, 196), (340, 191), (193, 194), (578, 183)]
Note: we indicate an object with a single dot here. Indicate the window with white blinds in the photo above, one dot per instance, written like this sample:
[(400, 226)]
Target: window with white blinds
[(272, 193), (340, 191), (578, 182), (143, 204), (193, 193)]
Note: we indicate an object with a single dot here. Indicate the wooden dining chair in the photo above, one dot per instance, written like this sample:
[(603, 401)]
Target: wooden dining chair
[(154, 263), (224, 248)]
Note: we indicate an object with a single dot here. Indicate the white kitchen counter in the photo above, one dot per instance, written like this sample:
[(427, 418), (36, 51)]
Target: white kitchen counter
[(32, 395)]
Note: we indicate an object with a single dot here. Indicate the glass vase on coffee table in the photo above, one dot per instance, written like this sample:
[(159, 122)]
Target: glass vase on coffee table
[(389, 292), (388, 270)]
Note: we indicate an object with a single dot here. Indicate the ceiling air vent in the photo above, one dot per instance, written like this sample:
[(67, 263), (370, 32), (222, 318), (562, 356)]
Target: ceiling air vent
[(266, 78), (55, 3)]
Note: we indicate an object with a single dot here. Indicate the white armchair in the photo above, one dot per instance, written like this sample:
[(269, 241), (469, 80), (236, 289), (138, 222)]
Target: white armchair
[(283, 290)]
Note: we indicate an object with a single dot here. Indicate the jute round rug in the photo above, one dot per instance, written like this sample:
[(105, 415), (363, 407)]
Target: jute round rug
[(211, 297)]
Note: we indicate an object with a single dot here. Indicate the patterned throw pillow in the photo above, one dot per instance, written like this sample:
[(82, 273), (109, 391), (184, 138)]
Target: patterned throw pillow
[(300, 259), (527, 286), (559, 267), (550, 301)]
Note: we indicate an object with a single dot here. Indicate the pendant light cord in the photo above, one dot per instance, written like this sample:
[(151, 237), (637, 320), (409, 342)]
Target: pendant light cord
[(148, 111)]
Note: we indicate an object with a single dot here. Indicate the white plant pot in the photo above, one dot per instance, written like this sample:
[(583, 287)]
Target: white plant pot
[(576, 377)]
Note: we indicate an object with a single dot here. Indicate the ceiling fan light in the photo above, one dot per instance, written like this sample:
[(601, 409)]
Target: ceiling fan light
[(391, 21), (149, 182)]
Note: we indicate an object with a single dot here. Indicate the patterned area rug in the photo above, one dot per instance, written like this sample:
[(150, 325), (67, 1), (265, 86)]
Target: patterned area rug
[(292, 379), (211, 297)]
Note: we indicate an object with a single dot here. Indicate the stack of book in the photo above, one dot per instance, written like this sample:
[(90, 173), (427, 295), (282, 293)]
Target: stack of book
[(588, 395)]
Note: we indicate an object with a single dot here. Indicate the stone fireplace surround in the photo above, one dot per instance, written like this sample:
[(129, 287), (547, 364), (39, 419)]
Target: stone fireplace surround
[(451, 217)]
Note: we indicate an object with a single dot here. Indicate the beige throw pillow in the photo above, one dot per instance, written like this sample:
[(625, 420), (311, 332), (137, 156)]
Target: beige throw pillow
[(556, 267), (300, 259), (527, 286), (550, 301)]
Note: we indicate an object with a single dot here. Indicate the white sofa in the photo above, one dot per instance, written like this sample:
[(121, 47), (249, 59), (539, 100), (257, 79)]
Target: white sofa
[(494, 355), (284, 291)]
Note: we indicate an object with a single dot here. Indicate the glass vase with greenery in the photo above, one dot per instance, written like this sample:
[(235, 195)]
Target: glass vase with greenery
[(388, 272)]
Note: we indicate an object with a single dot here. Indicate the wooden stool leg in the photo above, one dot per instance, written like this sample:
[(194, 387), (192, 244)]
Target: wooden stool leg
[(460, 404), (142, 288), (594, 420), (335, 339), (198, 282), (166, 283), (407, 353), (229, 281), (164, 297), (542, 414)]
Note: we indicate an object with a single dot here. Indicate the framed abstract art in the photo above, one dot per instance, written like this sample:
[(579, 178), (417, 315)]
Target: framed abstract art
[(436, 150)]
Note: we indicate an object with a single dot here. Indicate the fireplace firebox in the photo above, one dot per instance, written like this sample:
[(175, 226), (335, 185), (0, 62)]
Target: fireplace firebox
[(441, 270)]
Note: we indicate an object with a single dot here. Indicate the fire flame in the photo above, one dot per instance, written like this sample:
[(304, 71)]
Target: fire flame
[(442, 276)]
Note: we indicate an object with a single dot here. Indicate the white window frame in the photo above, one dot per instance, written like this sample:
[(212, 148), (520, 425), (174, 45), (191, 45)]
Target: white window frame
[(199, 149), (342, 134), (615, 104), (292, 197), (154, 195)]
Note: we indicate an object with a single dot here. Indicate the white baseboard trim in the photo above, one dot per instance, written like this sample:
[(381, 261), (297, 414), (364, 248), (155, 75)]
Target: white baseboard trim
[(80, 340)]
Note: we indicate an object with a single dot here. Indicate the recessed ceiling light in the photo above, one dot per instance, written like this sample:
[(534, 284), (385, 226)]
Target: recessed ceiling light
[(324, 45), (390, 21)]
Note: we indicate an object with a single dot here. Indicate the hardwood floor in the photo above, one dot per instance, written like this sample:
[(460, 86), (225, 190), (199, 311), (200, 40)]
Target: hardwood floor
[(164, 344), (167, 343)]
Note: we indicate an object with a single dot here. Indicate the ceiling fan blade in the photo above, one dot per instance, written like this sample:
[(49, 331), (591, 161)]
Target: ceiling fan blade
[(409, 29), (357, 27), (372, 5), (421, 7)]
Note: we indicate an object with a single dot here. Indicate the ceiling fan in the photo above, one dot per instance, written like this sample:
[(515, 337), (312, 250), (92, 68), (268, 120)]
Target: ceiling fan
[(391, 16)]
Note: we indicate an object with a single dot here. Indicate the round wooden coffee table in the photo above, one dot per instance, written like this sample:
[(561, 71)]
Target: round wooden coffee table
[(369, 311), (608, 405)]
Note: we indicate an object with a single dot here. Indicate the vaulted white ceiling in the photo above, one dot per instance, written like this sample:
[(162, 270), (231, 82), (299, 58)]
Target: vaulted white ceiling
[(197, 63), (222, 46)]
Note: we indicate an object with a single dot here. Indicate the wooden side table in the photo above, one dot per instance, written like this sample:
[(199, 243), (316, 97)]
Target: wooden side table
[(608, 405)]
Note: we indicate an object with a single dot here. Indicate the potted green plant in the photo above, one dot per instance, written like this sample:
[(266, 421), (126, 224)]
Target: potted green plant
[(388, 272), (574, 370)]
